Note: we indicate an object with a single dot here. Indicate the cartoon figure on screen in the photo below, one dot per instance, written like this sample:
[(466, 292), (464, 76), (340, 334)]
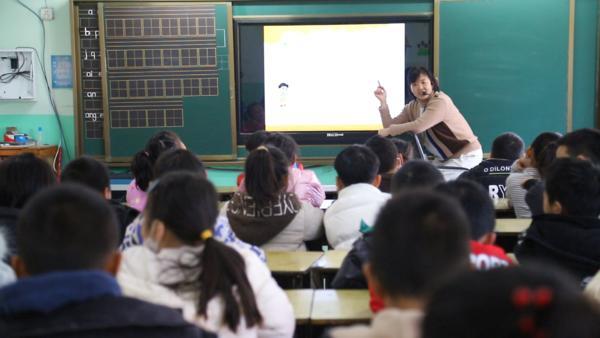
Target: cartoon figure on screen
[(283, 95)]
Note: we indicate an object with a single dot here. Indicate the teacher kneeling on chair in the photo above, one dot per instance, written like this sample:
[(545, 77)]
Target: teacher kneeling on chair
[(441, 127)]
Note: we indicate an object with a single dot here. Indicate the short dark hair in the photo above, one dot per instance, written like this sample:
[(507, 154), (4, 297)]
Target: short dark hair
[(576, 185), (285, 143), (584, 142), (404, 148), (502, 295), (356, 164), (415, 72), (66, 227), (476, 203), (419, 240), (21, 177), (416, 174), (178, 159), (87, 171), (508, 146), (386, 152), (266, 170), (256, 139)]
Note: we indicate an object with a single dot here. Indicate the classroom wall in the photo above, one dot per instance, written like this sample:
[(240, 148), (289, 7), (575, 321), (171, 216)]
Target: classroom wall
[(24, 30), (21, 29)]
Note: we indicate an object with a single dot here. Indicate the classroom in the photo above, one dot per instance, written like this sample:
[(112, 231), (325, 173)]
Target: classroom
[(300, 168)]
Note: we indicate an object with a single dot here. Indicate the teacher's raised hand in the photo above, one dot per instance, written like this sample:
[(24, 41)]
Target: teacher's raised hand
[(380, 94)]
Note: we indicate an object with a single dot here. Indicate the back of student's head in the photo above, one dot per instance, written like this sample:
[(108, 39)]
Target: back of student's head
[(21, 177), (178, 159), (386, 152), (575, 184), (87, 171), (256, 139), (476, 203), (285, 143), (144, 160), (266, 171), (542, 140), (508, 146), (419, 240), (582, 143), (416, 174), (545, 158), (527, 301), (187, 204), (66, 227), (404, 148), (356, 164)]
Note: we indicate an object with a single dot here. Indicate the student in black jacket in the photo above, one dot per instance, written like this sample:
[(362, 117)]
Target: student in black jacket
[(93, 174), (492, 173), (67, 239), (568, 234)]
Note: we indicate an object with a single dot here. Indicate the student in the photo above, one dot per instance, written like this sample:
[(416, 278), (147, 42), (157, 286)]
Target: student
[(583, 144), (255, 140), (181, 265), (21, 177), (93, 174), (414, 175), (405, 150), (480, 212), (143, 163), (67, 237), (569, 233), (184, 160), (359, 198), (535, 188), (420, 239), (482, 219), (519, 302), (387, 153), (267, 215), (444, 131), (303, 182), (526, 169), (492, 173)]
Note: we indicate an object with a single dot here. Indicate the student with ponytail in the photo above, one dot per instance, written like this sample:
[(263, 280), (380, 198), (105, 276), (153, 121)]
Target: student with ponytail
[(143, 163), (181, 265), (265, 214)]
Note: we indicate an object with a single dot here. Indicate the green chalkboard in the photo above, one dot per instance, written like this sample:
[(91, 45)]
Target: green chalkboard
[(504, 63), (168, 66)]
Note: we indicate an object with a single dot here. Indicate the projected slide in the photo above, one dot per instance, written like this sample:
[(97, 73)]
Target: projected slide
[(322, 77)]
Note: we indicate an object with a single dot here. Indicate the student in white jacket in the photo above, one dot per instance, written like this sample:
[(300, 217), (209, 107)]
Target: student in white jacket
[(359, 198), (221, 289)]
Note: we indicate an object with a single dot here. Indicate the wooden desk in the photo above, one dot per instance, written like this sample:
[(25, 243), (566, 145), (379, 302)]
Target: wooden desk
[(512, 226), (301, 300), (335, 307), (47, 152), (331, 260), (291, 262)]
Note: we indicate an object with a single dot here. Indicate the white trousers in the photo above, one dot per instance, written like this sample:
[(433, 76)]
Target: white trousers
[(452, 168)]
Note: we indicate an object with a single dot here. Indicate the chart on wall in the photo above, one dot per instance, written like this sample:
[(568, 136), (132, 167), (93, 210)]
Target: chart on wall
[(167, 66)]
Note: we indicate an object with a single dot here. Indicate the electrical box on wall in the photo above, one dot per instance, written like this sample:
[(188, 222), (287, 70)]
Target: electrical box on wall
[(16, 74)]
